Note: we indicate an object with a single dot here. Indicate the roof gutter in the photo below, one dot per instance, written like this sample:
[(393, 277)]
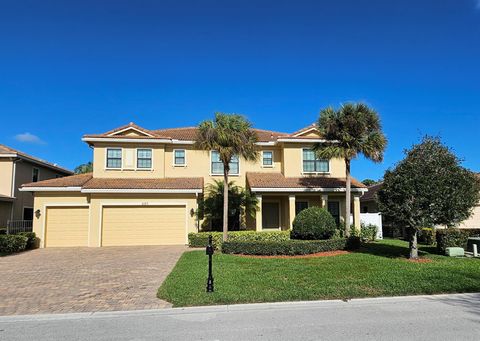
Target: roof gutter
[(318, 189), (50, 189), (132, 190)]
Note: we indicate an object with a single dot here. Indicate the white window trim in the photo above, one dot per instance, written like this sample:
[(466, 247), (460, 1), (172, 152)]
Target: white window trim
[(310, 173), (273, 157), (184, 156), (136, 160), (38, 173), (106, 159), (218, 174)]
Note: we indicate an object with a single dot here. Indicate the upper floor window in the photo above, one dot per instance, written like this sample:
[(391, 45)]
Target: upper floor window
[(114, 158), (267, 158), (144, 158), (35, 174), (179, 157), (312, 164), (217, 164)]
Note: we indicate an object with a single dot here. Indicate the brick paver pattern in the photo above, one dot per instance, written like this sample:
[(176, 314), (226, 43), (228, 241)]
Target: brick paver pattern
[(64, 280)]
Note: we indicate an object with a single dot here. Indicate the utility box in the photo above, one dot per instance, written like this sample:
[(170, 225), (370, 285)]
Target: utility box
[(471, 241), (455, 251)]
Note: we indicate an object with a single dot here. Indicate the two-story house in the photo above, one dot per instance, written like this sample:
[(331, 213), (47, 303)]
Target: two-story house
[(146, 184), (17, 168)]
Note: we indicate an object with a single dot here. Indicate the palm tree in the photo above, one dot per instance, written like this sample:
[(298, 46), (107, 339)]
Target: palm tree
[(230, 135), (352, 129)]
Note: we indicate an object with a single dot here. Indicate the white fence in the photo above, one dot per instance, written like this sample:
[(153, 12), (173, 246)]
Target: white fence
[(374, 219)]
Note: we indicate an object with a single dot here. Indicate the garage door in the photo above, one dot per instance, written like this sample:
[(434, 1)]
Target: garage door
[(143, 225), (66, 226)]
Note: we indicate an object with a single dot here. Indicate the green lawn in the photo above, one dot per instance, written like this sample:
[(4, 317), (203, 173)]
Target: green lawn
[(379, 269)]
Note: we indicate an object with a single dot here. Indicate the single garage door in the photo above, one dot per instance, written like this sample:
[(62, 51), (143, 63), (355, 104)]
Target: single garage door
[(66, 226), (143, 225)]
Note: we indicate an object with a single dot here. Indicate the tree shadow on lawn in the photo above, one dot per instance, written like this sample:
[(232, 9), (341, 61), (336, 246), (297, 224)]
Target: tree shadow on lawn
[(393, 251)]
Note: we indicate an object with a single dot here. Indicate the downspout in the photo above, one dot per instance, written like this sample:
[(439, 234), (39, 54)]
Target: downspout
[(14, 172)]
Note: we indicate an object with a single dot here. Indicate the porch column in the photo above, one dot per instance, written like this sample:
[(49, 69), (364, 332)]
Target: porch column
[(324, 201), (356, 212), (291, 210), (258, 214)]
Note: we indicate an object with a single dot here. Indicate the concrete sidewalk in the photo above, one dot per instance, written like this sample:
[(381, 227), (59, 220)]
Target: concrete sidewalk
[(440, 317)]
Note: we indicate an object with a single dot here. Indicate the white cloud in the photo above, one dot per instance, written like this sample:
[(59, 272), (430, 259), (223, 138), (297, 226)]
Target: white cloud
[(29, 138)]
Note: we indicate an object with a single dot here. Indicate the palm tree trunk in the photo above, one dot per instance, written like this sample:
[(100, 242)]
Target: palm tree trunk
[(348, 198), (225, 203)]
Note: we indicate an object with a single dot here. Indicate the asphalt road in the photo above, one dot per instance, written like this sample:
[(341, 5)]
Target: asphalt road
[(444, 317)]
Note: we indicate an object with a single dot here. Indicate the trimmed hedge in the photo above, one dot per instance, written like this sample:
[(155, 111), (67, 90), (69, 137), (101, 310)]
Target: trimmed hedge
[(450, 237), (313, 223), (32, 241), (288, 248), (10, 243), (201, 239), (426, 236)]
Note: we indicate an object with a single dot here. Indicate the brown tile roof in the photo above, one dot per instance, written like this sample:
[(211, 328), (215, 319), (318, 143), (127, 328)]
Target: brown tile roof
[(77, 180), (86, 181), (372, 192), (7, 150), (165, 183), (278, 180)]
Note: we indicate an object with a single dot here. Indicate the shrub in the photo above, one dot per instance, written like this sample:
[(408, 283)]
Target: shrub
[(10, 243), (32, 239), (201, 239), (3, 230), (312, 224), (426, 236), (353, 243), (454, 237), (368, 233), (289, 248)]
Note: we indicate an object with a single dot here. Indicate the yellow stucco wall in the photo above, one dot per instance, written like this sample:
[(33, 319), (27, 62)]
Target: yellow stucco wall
[(473, 221), (6, 171)]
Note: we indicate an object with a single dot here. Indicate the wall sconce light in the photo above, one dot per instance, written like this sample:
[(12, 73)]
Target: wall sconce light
[(192, 212), (37, 213)]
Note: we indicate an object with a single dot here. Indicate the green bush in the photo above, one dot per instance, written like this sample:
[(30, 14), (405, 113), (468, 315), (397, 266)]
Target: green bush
[(368, 233), (3, 230), (10, 243), (426, 236), (313, 223), (201, 239), (451, 237), (32, 241), (288, 248)]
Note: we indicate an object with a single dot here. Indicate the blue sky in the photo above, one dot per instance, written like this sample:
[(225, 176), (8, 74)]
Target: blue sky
[(70, 68)]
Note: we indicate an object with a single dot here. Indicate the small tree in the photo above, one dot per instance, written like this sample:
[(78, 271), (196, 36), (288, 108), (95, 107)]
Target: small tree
[(355, 129), (84, 168), (240, 202), (427, 188), (229, 135), (369, 182)]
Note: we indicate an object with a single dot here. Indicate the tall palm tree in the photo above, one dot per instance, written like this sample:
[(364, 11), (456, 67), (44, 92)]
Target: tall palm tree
[(230, 135), (352, 129)]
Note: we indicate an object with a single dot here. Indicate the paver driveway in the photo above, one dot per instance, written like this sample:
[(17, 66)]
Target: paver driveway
[(60, 280)]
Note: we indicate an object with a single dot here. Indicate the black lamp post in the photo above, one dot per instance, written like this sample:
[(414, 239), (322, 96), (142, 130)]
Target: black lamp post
[(210, 254)]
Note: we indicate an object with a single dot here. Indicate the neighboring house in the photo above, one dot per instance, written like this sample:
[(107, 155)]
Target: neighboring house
[(369, 205), (17, 168), (146, 185)]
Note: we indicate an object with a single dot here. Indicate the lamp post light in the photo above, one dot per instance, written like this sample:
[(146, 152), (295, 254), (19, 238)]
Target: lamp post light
[(209, 252)]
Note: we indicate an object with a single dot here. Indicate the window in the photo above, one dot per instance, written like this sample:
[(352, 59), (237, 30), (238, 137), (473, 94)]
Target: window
[(144, 158), (267, 159), (217, 165), (300, 206), (114, 158), (179, 157), (27, 213), (312, 164), (35, 173)]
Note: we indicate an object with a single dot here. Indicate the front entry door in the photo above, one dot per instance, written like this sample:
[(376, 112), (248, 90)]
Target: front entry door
[(334, 209), (270, 215)]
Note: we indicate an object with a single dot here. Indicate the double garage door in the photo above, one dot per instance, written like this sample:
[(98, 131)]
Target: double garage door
[(120, 225)]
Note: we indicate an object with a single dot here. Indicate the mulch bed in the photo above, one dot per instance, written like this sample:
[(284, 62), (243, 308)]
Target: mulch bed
[(313, 255)]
